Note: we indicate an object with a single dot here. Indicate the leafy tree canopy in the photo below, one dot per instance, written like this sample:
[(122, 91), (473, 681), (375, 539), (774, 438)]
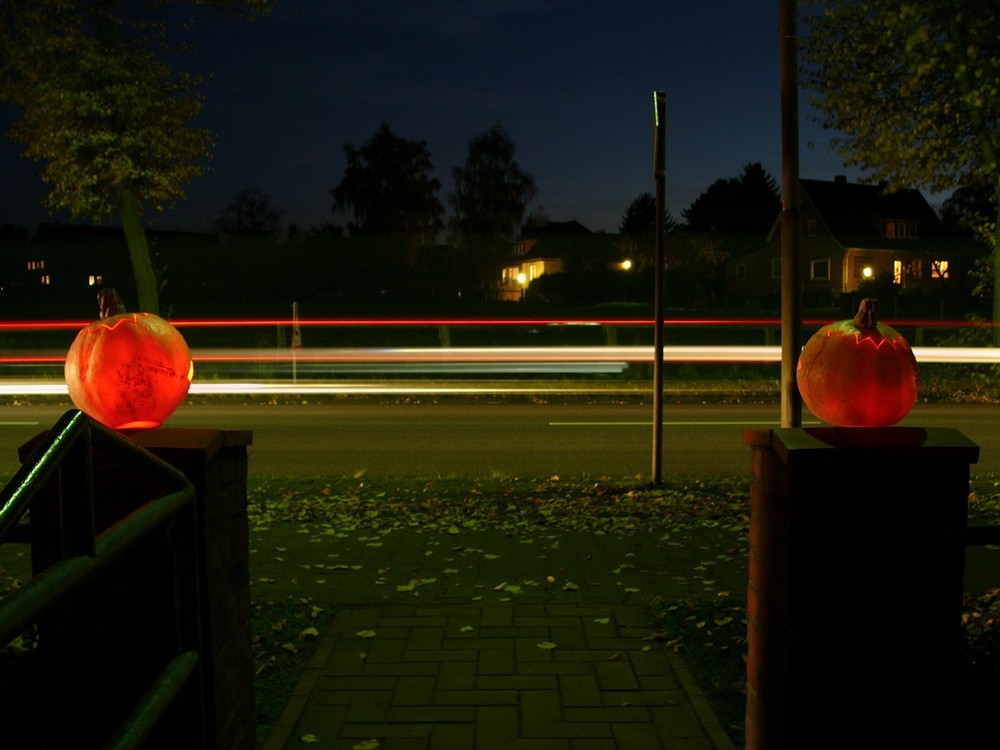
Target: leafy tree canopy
[(640, 217), (748, 203), (913, 88), (250, 215), (103, 109), (490, 197), (492, 191), (388, 189)]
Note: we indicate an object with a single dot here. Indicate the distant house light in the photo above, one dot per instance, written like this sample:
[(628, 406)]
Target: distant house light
[(93, 280), (939, 269), (46, 279)]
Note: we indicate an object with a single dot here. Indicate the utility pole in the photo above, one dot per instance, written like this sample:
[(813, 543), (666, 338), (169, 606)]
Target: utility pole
[(659, 175), (791, 263)]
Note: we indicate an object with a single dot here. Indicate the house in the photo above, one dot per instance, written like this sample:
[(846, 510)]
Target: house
[(61, 268), (547, 249), (853, 234)]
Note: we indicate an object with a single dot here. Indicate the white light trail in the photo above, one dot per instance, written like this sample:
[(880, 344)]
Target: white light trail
[(455, 361)]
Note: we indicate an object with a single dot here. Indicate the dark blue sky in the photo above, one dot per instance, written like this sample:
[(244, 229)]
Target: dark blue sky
[(571, 80)]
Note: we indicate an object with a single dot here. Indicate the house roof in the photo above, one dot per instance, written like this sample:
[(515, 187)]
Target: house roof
[(852, 209)]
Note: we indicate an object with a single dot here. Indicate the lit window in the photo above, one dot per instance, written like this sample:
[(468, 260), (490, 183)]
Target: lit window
[(901, 230), (36, 265), (939, 269), (93, 280), (897, 272), (46, 280)]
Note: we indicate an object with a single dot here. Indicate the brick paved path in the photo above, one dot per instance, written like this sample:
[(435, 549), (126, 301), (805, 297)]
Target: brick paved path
[(452, 677), (465, 644)]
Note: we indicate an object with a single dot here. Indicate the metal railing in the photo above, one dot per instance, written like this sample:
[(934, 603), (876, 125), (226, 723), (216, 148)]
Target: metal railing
[(66, 456)]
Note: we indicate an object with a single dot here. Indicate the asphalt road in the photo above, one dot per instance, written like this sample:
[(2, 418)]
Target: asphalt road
[(516, 439)]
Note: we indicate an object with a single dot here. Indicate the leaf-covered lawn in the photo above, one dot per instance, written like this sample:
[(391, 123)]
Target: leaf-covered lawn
[(595, 505)]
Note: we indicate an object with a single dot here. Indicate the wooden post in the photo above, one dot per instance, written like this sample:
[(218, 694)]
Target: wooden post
[(791, 274), (659, 174)]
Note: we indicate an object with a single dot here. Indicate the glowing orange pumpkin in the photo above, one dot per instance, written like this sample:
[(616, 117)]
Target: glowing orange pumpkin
[(128, 370), (858, 373)]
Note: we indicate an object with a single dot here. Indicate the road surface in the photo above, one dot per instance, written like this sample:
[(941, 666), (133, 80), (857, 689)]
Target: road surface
[(515, 439)]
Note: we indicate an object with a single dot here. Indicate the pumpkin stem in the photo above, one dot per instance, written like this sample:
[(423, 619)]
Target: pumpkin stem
[(109, 303), (867, 316)]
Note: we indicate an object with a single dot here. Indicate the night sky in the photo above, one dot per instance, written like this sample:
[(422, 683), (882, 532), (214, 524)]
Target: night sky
[(570, 80)]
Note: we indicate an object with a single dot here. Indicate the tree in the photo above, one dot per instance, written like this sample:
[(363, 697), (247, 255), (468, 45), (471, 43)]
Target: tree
[(250, 215), (912, 87), (390, 193), (638, 229), (748, 203), (491, 194), (111, 119)]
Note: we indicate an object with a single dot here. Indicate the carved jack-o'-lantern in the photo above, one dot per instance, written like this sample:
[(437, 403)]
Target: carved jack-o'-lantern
[(858, 372), (128, 370)]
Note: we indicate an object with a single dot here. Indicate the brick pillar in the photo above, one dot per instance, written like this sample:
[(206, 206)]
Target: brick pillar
[(215, 461), (854, 602), (99, 651)]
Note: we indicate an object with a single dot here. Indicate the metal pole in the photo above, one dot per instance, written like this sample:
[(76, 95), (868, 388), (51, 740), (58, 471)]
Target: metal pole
[(791, 273), (659, 175)]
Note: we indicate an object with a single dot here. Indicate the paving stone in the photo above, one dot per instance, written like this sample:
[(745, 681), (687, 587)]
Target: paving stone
[(498, 661), (616, 675), (579, 690), (452, 736), (457, 675), (497, 722), (476, 697), (414, 690), (542, 716)]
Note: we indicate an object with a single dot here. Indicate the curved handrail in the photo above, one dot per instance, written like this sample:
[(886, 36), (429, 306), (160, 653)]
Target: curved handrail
[(66, 451)]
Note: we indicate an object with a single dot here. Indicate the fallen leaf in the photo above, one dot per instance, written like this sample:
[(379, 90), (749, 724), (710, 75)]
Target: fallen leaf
[(309, 739), (546, 645), (309, 633), (367, 745), (365, 634), (615, 657), (602, 620)]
